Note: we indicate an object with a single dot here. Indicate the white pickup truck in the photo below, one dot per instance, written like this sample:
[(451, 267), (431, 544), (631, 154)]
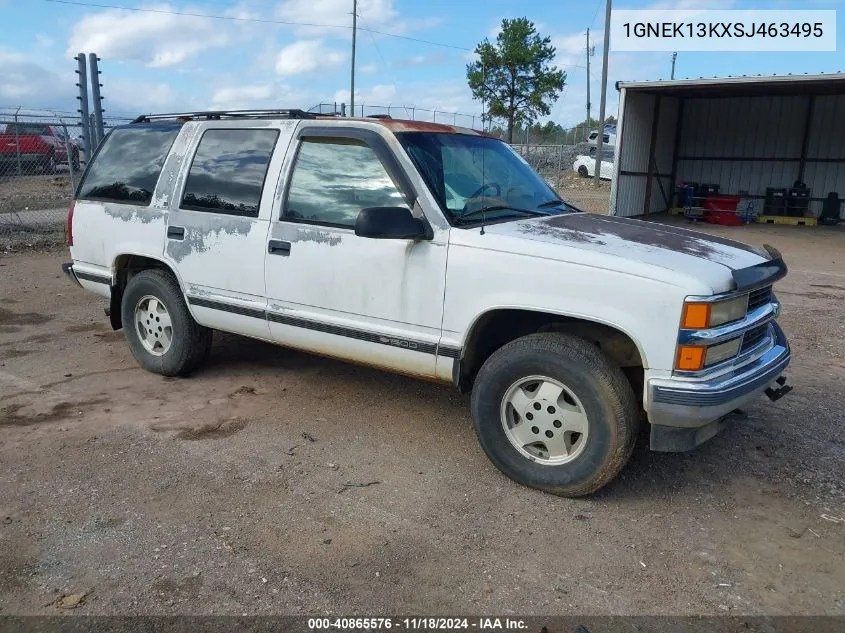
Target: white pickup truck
[(437, 252)]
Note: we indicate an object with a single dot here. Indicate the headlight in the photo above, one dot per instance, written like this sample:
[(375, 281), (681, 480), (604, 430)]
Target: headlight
[(722, 351), (697, 357), (699, 315)]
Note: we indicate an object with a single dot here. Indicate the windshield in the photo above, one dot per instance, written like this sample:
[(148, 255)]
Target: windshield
[(468, 174)]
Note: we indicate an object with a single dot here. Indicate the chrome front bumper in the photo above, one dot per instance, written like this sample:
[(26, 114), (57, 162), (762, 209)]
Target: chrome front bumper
[(685, 412)]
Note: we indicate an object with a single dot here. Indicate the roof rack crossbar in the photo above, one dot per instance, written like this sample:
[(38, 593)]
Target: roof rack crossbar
[(212, 115)]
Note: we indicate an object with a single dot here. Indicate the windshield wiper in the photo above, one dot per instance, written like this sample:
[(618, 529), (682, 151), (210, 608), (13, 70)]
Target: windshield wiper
[(551, 203), (496, 207)]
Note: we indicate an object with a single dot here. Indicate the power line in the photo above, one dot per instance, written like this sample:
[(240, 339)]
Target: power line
[(258, 20)]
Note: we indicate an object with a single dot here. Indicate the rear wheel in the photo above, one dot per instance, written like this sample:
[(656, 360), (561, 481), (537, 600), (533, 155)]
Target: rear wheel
[(49, 164), (160, 331), (552, 412), (582, 171)]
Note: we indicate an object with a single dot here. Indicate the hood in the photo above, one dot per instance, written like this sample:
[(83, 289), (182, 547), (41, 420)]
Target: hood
[(624, 244)]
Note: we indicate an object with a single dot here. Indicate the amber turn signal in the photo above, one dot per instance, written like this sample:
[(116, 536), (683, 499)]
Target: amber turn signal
[(696, 316), (690, 357)]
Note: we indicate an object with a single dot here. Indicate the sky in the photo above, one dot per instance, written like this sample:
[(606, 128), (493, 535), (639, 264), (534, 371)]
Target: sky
[(156, 61)]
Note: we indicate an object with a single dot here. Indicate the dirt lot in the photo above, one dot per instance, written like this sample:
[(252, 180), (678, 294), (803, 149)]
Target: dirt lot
[(34, 192), (275, 482), (582, 192)]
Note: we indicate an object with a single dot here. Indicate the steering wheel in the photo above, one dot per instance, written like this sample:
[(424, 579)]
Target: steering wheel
[(491, 185)]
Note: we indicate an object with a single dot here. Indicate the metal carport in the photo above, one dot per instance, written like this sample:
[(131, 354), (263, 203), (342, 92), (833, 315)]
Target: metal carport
[(743, 133)]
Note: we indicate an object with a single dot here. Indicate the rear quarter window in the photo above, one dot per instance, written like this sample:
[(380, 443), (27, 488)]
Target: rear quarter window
[(126, 167)]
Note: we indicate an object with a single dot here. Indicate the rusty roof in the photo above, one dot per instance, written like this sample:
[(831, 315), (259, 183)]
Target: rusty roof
[(407, 125)]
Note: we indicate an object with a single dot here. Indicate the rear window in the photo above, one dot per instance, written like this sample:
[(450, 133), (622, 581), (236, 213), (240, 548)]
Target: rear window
[(28, 129), (127, 166)]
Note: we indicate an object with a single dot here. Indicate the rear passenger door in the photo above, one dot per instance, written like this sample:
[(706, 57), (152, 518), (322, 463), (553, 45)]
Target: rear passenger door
[(218, 220)]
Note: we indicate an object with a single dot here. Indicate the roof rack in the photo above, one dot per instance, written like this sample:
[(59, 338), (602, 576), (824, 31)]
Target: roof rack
[(216, 115)]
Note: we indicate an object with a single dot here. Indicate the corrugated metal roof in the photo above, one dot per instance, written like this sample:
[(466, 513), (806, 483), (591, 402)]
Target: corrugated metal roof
[(830, 83)]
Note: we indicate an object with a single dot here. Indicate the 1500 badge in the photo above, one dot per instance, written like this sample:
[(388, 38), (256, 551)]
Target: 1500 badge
[(398, 342)]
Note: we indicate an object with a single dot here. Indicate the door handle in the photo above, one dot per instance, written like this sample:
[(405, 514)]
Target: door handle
[(176, 232), (278, 247)]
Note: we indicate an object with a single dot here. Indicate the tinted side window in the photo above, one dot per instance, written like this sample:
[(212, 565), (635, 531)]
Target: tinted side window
[(228, 171), (334, 179), (127, 166)]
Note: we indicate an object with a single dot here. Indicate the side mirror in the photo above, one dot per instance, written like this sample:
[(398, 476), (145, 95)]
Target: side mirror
[(391, 223)]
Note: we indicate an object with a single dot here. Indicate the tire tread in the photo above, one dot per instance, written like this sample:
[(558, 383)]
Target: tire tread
[(615, 387)]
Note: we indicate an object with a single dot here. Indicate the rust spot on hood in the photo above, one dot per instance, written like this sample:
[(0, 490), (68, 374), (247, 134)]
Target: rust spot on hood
[(591, 228)]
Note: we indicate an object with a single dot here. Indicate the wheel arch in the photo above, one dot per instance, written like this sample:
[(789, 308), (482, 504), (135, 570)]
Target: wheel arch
[(124, 267), (496, 327)]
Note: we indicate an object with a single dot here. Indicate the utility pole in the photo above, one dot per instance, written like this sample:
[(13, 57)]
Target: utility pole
[(674, 57), (600, 137), (354, 34), (590, 53)]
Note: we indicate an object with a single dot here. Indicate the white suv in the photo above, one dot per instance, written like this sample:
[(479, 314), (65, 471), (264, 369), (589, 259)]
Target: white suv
[(436, 252)]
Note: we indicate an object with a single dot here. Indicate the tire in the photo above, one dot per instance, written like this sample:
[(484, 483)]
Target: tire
[(582, 171), (189, 342), (49, 165), (590, 382)]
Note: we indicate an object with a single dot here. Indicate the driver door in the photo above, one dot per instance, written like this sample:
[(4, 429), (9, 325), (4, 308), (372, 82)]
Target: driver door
[(377, 301)]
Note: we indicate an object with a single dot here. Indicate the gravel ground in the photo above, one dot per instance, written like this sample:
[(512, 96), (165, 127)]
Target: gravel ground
[(34, 192), (582, 193), (276, 482)]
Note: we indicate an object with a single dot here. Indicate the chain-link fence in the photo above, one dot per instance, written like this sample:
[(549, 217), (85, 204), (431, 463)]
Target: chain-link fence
[(555, 163), (473, 121), (41, 160)]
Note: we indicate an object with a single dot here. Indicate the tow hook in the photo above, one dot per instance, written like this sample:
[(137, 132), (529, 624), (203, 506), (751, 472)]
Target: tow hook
[(778, 389)]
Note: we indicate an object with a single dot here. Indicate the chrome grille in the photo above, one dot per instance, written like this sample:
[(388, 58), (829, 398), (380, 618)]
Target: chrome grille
[(753, 337), (759, 297)]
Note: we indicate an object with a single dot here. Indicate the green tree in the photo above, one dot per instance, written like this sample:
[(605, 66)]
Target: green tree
[(515, 76)]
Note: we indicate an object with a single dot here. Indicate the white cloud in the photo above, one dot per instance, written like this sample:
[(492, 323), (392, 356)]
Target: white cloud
[(158, 40), (380, 94), (25, 82), (368, 68), (131, 96), (420, 60), (44, 41), (377, 14), (257, 96), (307, 56)]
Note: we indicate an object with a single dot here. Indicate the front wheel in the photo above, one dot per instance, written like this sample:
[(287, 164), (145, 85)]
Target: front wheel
[(552, 412), (160, 331), (582, 171)]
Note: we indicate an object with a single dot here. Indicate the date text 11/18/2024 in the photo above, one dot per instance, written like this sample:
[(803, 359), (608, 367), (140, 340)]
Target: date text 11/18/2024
[(417, 624)]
